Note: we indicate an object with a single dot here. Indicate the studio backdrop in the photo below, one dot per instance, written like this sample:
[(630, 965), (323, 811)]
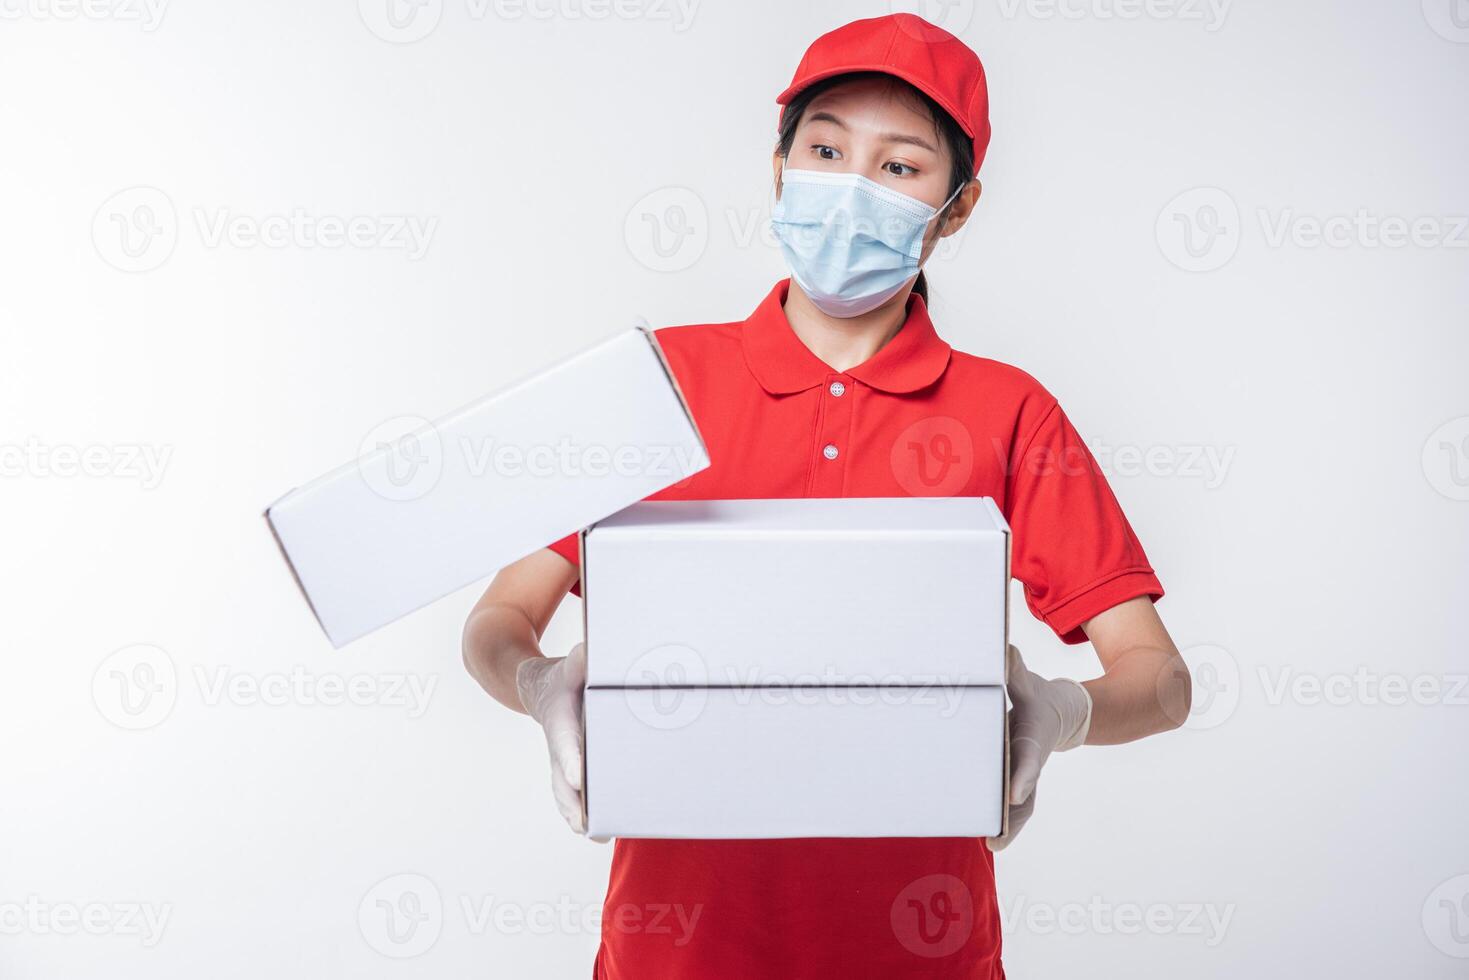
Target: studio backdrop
[(243, 242)]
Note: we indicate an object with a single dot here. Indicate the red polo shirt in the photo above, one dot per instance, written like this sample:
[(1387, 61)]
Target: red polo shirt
[(921, 419)]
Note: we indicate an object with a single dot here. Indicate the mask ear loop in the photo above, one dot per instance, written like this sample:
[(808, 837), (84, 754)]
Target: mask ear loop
[(940, 213), (940, 210)]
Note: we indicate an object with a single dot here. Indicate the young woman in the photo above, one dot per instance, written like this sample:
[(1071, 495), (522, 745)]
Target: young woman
[(837, 385)]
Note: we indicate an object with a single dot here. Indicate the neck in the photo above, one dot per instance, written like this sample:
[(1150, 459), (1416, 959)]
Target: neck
[(844, 342)]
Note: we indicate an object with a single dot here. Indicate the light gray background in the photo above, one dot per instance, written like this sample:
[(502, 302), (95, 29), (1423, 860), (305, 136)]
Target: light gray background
[(541, 146)]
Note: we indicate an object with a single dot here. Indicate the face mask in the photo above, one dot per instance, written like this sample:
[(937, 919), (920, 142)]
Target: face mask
[(850, 242)]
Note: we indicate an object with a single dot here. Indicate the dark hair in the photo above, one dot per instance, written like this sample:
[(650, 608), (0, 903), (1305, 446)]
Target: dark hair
[(961, 148)]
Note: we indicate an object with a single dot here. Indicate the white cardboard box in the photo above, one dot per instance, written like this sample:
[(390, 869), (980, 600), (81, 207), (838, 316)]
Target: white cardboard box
[(715, 763), (415, 519), (797, 668), (729, 593)]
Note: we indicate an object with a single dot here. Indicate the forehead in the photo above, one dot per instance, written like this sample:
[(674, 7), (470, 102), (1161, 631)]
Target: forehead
[(884, 103)]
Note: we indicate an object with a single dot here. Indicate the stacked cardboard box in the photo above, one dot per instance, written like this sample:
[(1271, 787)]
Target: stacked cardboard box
[(757, 668), (796, 668)]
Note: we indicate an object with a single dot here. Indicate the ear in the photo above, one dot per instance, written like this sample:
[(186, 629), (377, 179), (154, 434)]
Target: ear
[(962, 208), (776, 165)]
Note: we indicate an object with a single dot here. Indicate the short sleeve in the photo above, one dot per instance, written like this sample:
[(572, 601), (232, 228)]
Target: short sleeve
[(569, 548), (1072, 547)]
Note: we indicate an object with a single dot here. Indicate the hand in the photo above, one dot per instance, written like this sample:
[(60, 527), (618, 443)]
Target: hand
[(550, 690), (1048, 716)]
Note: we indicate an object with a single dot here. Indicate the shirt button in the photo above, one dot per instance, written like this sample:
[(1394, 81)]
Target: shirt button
[(830, 452), (838, 389)]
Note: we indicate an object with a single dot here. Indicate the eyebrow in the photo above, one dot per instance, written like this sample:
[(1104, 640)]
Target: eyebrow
[(824, 116)]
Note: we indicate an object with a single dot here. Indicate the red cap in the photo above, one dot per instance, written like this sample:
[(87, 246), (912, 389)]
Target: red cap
[(908, 47)]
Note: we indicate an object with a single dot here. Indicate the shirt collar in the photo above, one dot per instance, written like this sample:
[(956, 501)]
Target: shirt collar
[(915, 358)]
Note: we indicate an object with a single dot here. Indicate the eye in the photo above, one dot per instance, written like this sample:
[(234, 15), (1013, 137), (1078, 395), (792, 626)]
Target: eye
[(899, 169), (825, 152)]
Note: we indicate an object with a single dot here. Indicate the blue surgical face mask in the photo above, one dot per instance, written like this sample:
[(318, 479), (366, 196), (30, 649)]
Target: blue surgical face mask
[(851, 243)]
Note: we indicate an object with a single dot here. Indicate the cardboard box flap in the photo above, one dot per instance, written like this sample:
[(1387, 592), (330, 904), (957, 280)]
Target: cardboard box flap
[(460, 498)]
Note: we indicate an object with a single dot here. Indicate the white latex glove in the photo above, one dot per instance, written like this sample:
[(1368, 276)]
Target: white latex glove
[(1048, 716), (550, 689)]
